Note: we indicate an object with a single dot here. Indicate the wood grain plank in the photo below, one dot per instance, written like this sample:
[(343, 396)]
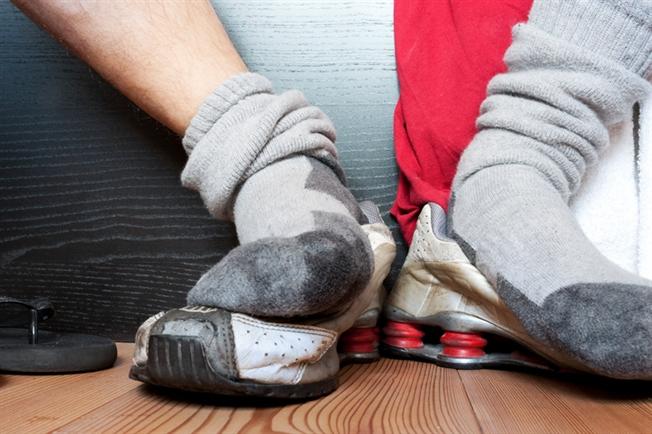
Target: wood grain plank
[(37, 404), (388, 396), (530, 403)]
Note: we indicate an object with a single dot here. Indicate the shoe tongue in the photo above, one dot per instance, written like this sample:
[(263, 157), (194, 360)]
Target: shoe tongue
[(371, 211), (438, 221)]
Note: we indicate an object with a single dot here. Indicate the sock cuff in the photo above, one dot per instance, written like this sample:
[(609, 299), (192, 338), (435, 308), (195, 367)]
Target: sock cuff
[(243, 127), (228, 94), (620, 30)]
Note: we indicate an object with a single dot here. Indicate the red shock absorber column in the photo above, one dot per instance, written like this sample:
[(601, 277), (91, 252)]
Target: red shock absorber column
[(359, 340), (403, 334), (463, 345)]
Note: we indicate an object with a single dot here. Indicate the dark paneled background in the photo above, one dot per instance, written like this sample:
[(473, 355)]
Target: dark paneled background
[(92, 211)]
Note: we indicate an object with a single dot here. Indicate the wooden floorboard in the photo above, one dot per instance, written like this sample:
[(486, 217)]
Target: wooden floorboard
[(520, 402), (34, 404), (394, 396)]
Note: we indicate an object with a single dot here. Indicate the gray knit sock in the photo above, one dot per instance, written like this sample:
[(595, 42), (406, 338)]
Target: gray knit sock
[(574, 69), (268, 163)]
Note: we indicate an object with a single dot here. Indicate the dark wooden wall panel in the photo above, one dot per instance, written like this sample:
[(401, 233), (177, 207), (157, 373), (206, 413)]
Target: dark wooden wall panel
[(92, 211)]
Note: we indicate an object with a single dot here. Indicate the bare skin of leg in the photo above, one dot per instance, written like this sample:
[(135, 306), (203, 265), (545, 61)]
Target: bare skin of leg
[(164, 55)]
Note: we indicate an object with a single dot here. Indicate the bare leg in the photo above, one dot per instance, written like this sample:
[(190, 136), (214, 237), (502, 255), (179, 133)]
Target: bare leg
[(166, 56)]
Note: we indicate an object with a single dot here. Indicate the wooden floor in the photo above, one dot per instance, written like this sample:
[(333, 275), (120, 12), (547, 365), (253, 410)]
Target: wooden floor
[(388, 396)]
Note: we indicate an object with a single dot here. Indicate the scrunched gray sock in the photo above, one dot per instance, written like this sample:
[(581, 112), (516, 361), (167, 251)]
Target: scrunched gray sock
[(268, 162)]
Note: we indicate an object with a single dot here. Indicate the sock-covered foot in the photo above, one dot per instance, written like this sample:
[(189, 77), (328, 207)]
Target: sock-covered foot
[(541, 124), (268, 163)]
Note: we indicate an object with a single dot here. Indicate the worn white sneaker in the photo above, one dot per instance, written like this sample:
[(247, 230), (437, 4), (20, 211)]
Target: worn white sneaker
[(443, 310), (212, 350)]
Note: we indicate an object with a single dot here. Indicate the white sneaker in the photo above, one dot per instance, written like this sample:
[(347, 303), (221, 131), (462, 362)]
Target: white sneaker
[(212, 350), (439, 294)]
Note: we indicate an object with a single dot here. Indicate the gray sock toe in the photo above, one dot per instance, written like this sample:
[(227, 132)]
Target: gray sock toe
[(315, 272), (607, 325)]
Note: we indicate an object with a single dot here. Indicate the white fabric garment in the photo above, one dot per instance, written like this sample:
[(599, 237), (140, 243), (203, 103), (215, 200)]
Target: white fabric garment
[(645, 191), (614, 204)]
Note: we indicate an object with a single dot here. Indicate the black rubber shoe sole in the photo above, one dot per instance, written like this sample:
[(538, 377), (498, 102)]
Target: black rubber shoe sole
[(501, 361), (55, 353), (179, 362)]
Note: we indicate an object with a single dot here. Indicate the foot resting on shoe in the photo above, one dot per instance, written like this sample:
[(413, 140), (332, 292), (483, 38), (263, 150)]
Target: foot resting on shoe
[(542, 123), (268, 163)]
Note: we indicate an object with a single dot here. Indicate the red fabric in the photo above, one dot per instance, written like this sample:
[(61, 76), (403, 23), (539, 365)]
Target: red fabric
[(446, 53)]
